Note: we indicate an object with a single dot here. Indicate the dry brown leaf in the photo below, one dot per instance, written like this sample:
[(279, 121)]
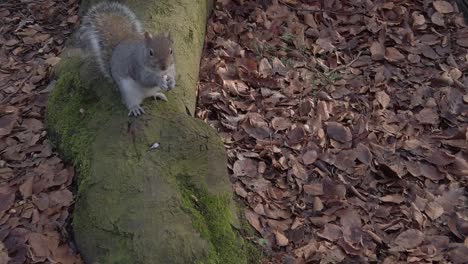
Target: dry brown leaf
[(418, 19), (438, 19), (377, 51), (278, 67), (463, 42), (264, 68), (309, 157), (7, 198), (339, 132), (428, 116), (393, 198), (434, 210), (41, 201), (313, 189), (409, 239), (7, 122), (280, 123), (363, 154), (253, 219), (459, 254), (4, 258), (297, 169), (26, 187), (431, 172), (331, 232), (52, 61), (383, 98), (443, 7), (429, 52), (39, 246), (245, 167), (281, 239), (393, 55)]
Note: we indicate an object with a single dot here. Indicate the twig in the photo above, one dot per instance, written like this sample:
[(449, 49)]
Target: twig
[(344, 66), (17, 90), (357, 193), (323, 11)]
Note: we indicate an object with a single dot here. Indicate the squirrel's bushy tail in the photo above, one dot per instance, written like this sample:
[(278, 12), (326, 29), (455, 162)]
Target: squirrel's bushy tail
[(104, 27)]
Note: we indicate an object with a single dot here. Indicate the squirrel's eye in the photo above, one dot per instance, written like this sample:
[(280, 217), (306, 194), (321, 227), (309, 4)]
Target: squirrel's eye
[(151, 52), (170, 51)]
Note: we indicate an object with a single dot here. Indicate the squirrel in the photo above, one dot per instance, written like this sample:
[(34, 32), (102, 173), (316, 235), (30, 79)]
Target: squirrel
[(139, 63)]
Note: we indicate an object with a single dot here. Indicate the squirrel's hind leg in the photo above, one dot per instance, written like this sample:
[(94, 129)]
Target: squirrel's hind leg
[(131, 96), (160, 96)]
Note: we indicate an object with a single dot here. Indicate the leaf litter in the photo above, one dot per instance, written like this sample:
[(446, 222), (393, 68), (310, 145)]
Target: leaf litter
[(345, 124), (35, 200)]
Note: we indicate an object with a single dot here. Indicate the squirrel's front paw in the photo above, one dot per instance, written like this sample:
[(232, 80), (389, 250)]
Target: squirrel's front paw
[(163, 84), (170, 82), (167, 83), (136, 111)]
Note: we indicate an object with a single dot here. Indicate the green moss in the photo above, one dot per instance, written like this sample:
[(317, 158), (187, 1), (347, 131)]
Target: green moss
[(253, 249), (211, 217), (161, 8)]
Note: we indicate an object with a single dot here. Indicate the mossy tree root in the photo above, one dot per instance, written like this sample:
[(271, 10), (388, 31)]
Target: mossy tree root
[(136, 204)]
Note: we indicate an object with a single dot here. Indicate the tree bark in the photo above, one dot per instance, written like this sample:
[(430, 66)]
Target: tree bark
[(136, 204)]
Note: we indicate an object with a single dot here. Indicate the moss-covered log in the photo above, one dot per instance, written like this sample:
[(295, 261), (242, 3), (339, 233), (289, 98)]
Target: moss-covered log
[(136, 204)]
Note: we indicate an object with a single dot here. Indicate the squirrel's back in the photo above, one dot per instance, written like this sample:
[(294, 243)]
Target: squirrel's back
[(104, 27)]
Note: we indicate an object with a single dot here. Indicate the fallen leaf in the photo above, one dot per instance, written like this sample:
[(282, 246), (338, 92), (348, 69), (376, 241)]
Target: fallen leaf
[(393, 55), (383, 98), (313, 189), (280, 123), (443, 7), (330, 232), (338, 132), (431, 172), (463, 42), (428, 116), (264, 68), (418, 19), (281, 239), (39, 248), (7, 198), (377, 51), (4, 258), (246, 167), (363, 154), (459, 254), (52, 61), (434, 210), (253, 219), (309, 157), (7, 122), (409, 239), (393, 198), (438, 19), (26, 187)]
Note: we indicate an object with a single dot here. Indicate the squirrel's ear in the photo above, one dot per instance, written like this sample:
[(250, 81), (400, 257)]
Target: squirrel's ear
[(148, 35)]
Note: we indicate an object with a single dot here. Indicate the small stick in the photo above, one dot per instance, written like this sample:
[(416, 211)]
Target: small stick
[(345, 66), (323, 11)]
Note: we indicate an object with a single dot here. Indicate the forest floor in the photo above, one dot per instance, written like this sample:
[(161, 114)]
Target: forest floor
[(345, 124)]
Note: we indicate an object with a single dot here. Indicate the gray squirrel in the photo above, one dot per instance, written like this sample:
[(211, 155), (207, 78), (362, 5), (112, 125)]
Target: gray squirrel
[(140, 64)]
